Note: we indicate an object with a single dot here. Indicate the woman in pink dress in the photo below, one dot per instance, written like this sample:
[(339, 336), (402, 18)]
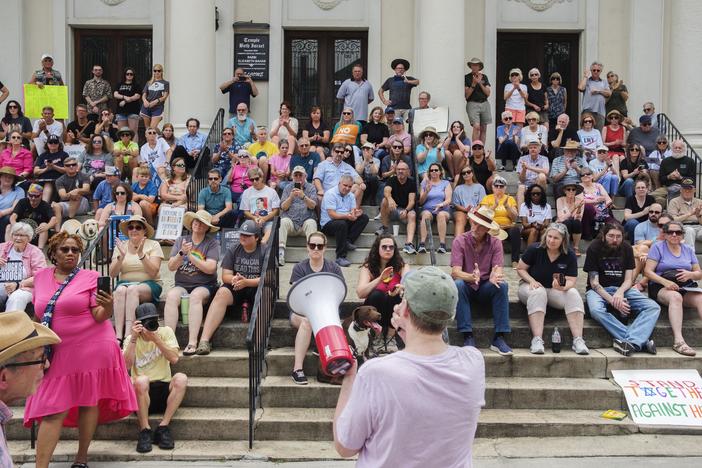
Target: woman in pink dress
[(87, 383)]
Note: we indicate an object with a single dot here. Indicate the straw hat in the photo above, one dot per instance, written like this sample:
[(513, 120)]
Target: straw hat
[(201, 215), (126, 130), (426, 130), (19, 334), (11, 171), (138, 219), (571, 145), (486, 217), (475, 61)]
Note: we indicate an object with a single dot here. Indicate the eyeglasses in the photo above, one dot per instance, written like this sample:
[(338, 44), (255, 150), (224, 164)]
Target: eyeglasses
[(179, 165), (434, 170), (157, 70), (346, 113), (507, 118), (12, 106), (387, 248), (135, 227), (255, 179), (315, 246), (120, 193), (42, 361), (477, 147), (674, 233), (66, 249)]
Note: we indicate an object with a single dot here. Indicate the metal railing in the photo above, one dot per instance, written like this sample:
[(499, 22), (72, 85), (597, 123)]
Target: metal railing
[(97, 254), (667, 127), (198, 176), (261, 320)]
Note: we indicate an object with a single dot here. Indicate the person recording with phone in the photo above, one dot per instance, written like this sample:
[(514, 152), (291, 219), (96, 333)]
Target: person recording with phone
[(241, 88), (149, 351), (298, 214)]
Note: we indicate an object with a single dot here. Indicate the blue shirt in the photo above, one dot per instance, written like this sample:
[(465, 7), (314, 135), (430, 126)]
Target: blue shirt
[(239, 91), (431, 158), (645, 231), (329, 173), (103, 193), (333, 200), (242, 130), (149, 190), (9, 198), (310, 163), (192, 142), (214, 202)]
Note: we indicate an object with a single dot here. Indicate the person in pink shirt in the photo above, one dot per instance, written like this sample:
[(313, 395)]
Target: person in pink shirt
[(433, 424), (16, 156), (238, 177), (280, 166)]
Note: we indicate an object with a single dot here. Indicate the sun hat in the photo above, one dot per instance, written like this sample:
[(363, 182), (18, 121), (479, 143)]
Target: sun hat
[(571, 145), (18, 333), (124, 130), (486, 217), (138, 219), (11, 171), (399, 61), (426, 130), (475, 61), (431, 295), (517, 71), (201, 215), (578, 187)]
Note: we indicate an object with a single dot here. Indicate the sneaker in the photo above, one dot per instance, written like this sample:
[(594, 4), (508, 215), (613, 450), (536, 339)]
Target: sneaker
[(469, 341), (391, 345), (281, 256), (409, 248), (623, 347), (299, 377), (421, 248), (537, 345), (350, 247), (144, 441), (650, 347), (500, 346), (579, 346), (381, 230), (343, 262), (377, 217), (501, 168), (441, 249), (163, 437)]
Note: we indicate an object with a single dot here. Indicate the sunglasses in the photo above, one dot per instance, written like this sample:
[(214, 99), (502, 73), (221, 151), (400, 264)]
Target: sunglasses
[(635, 150), (339, 151), (12, 106), (586, 174), (241, 110), (661, 142), (227, 133), (614, 117), (135, 227), (498, 185), (346, 113), (41, 361), (466, 172), (570, 189), (596, 70), (507, 118), (434, 170), (532, 120), (514, 74), (213, 178), (397, 146), (303, 146), (97, 142), (477, 147), (71, 165), (645, 124), (255, 179), (647, 109), (129, 73), (34, 196), (674, 233), (587, 121), (534, 75), (179, 165), (315, 246), (387, 248), (157, 70), (120, 193), (555, 78), (66, 250)]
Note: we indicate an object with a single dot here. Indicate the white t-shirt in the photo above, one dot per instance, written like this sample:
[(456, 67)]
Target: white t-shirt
[(415, 411), (156, 156), (283, 132), (541, 162), (55, 128), (515, 101), (535, 214), (540, 134), (259, 202)]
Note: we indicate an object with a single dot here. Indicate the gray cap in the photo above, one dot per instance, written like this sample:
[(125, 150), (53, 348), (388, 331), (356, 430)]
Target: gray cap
[(250, 228), (431, 295), (146, 310)]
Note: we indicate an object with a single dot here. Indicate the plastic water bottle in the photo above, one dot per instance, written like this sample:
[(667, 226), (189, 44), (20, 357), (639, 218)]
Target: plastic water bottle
[(556, 341), (185, 308), (245, 312)]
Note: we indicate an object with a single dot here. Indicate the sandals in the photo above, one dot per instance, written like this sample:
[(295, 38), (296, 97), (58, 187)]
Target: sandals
[(189, 350), (79, 465), (682, 348), (203, 348)]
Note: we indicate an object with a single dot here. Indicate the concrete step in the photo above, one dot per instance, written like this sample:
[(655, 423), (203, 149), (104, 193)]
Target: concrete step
[(365, 240), (219, 363)]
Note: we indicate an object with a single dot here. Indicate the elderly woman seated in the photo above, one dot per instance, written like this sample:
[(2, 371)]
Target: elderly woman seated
[(15, 295), (137, 263), (548, 272)]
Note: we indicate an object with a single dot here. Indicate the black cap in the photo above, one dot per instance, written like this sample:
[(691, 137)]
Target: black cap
[(145, 311)]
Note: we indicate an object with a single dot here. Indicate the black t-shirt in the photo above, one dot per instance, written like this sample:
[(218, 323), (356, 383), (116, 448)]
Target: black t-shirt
[(628, 165), (537, 96), (481, 171), (633, 205), (376, 132), (568, 134), (542, 269), (311, 131), (129, 90), (400, 192), (478, 94), (610, 269), (41, 214), (82, 131), (57, 158)]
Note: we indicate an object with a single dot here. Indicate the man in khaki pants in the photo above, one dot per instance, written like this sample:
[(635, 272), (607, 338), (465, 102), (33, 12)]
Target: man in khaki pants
[(298, 215)]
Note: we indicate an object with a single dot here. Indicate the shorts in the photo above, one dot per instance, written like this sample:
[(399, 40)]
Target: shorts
[(395, 215), (267, 226), (155, 288), (478, 112), (83, 208), (158, 396), (212, 288), (151, 111), (518, 115), (122, 117)]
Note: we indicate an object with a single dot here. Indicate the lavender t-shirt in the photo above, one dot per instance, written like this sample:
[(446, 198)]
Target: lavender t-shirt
[(667, 261), (415, 411)]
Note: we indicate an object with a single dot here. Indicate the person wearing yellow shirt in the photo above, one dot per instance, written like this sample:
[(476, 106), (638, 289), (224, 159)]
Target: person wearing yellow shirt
[(505, 208), (262, 149)]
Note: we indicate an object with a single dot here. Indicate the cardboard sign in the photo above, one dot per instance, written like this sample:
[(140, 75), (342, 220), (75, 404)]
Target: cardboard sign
[(170, 222), (12, 271), (437, 118), (36, 98), (671, 397)]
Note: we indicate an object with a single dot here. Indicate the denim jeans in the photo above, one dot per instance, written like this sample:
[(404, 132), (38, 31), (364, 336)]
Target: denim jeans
[(644, 312), (610, 182), (626, 188), (630, 227), (486, 293)]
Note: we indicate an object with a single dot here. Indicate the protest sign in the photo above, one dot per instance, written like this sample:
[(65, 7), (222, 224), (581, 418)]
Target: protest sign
[(170, 222), (228, 239), (114, 229), (671, 397), (437, 118), (36, 98), (12, 271)]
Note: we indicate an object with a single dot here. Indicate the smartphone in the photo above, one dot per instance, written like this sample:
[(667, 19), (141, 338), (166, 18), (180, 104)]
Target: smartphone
[(298, 185), (642, 167), (104, 283), (561, 278)]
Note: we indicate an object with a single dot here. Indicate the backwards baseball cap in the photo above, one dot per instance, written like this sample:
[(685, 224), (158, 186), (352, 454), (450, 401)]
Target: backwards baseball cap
[(431, 295), (249, 228), (645, 119), (687, 183), (35, 189)]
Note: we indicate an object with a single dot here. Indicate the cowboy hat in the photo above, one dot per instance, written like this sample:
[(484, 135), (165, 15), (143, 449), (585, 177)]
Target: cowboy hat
[(475, 61), (19, 334), (578, 188), (138, 219), (426, 130), (571, 145), (201, 215), (124, 130), (11, 171), (399, 61), (486, 217)]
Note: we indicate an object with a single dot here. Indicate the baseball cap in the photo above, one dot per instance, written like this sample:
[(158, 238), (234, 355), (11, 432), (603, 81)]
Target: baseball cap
[(645, 119), (533, 141), (46, 56), (53, 139), (398, 120), (249, 228), (389, 110), (602, 148), (145, 311), (299, 169), (431, 295), (111, 171), (687, 183), (368, 145)]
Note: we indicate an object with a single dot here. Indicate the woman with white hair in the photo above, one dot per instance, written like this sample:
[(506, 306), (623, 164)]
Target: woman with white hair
[(516, 96), (15, 295), (548, 272)]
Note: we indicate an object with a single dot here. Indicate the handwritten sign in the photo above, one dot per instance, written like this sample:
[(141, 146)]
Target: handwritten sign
[(251, 52), (170, 222), (662, 397), (12, 271), (437, 118), (36, 98)]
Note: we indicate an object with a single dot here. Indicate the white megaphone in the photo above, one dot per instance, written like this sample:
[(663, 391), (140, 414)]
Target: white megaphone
[(317, 297)]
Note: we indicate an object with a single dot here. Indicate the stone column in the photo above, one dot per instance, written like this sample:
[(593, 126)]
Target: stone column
[(12, 57), (441, 62), (190, 62)]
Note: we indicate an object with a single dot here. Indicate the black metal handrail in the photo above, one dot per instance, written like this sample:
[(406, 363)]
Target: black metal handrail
[(667, 127), (261, 320), (198, 176), (97, 254)]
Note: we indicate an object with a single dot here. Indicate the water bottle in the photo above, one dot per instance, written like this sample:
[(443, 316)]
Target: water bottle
[(185, 308), (245, 312), (556, 341)]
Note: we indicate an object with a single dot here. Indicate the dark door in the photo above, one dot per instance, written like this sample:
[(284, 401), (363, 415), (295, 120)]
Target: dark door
[(547, 52), (316, 63), (115, 50)]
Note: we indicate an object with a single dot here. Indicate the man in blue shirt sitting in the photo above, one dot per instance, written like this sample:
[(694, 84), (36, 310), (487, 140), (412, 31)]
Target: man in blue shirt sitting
[(103, 192), (190, 145), (217, 201)]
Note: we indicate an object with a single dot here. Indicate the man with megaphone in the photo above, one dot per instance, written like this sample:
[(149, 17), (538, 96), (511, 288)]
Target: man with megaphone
[(379, 418)]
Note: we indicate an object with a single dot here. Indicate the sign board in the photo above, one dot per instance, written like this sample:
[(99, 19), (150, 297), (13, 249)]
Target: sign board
[(12, 271), (251, 52), (228, 239), (114, 229), (671, 397), (170, 222), (437, 118), (36, 98)]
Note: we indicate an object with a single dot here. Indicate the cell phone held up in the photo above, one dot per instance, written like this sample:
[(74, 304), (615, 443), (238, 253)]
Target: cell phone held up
[(298, 185), (560, 277), (104, 283)]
